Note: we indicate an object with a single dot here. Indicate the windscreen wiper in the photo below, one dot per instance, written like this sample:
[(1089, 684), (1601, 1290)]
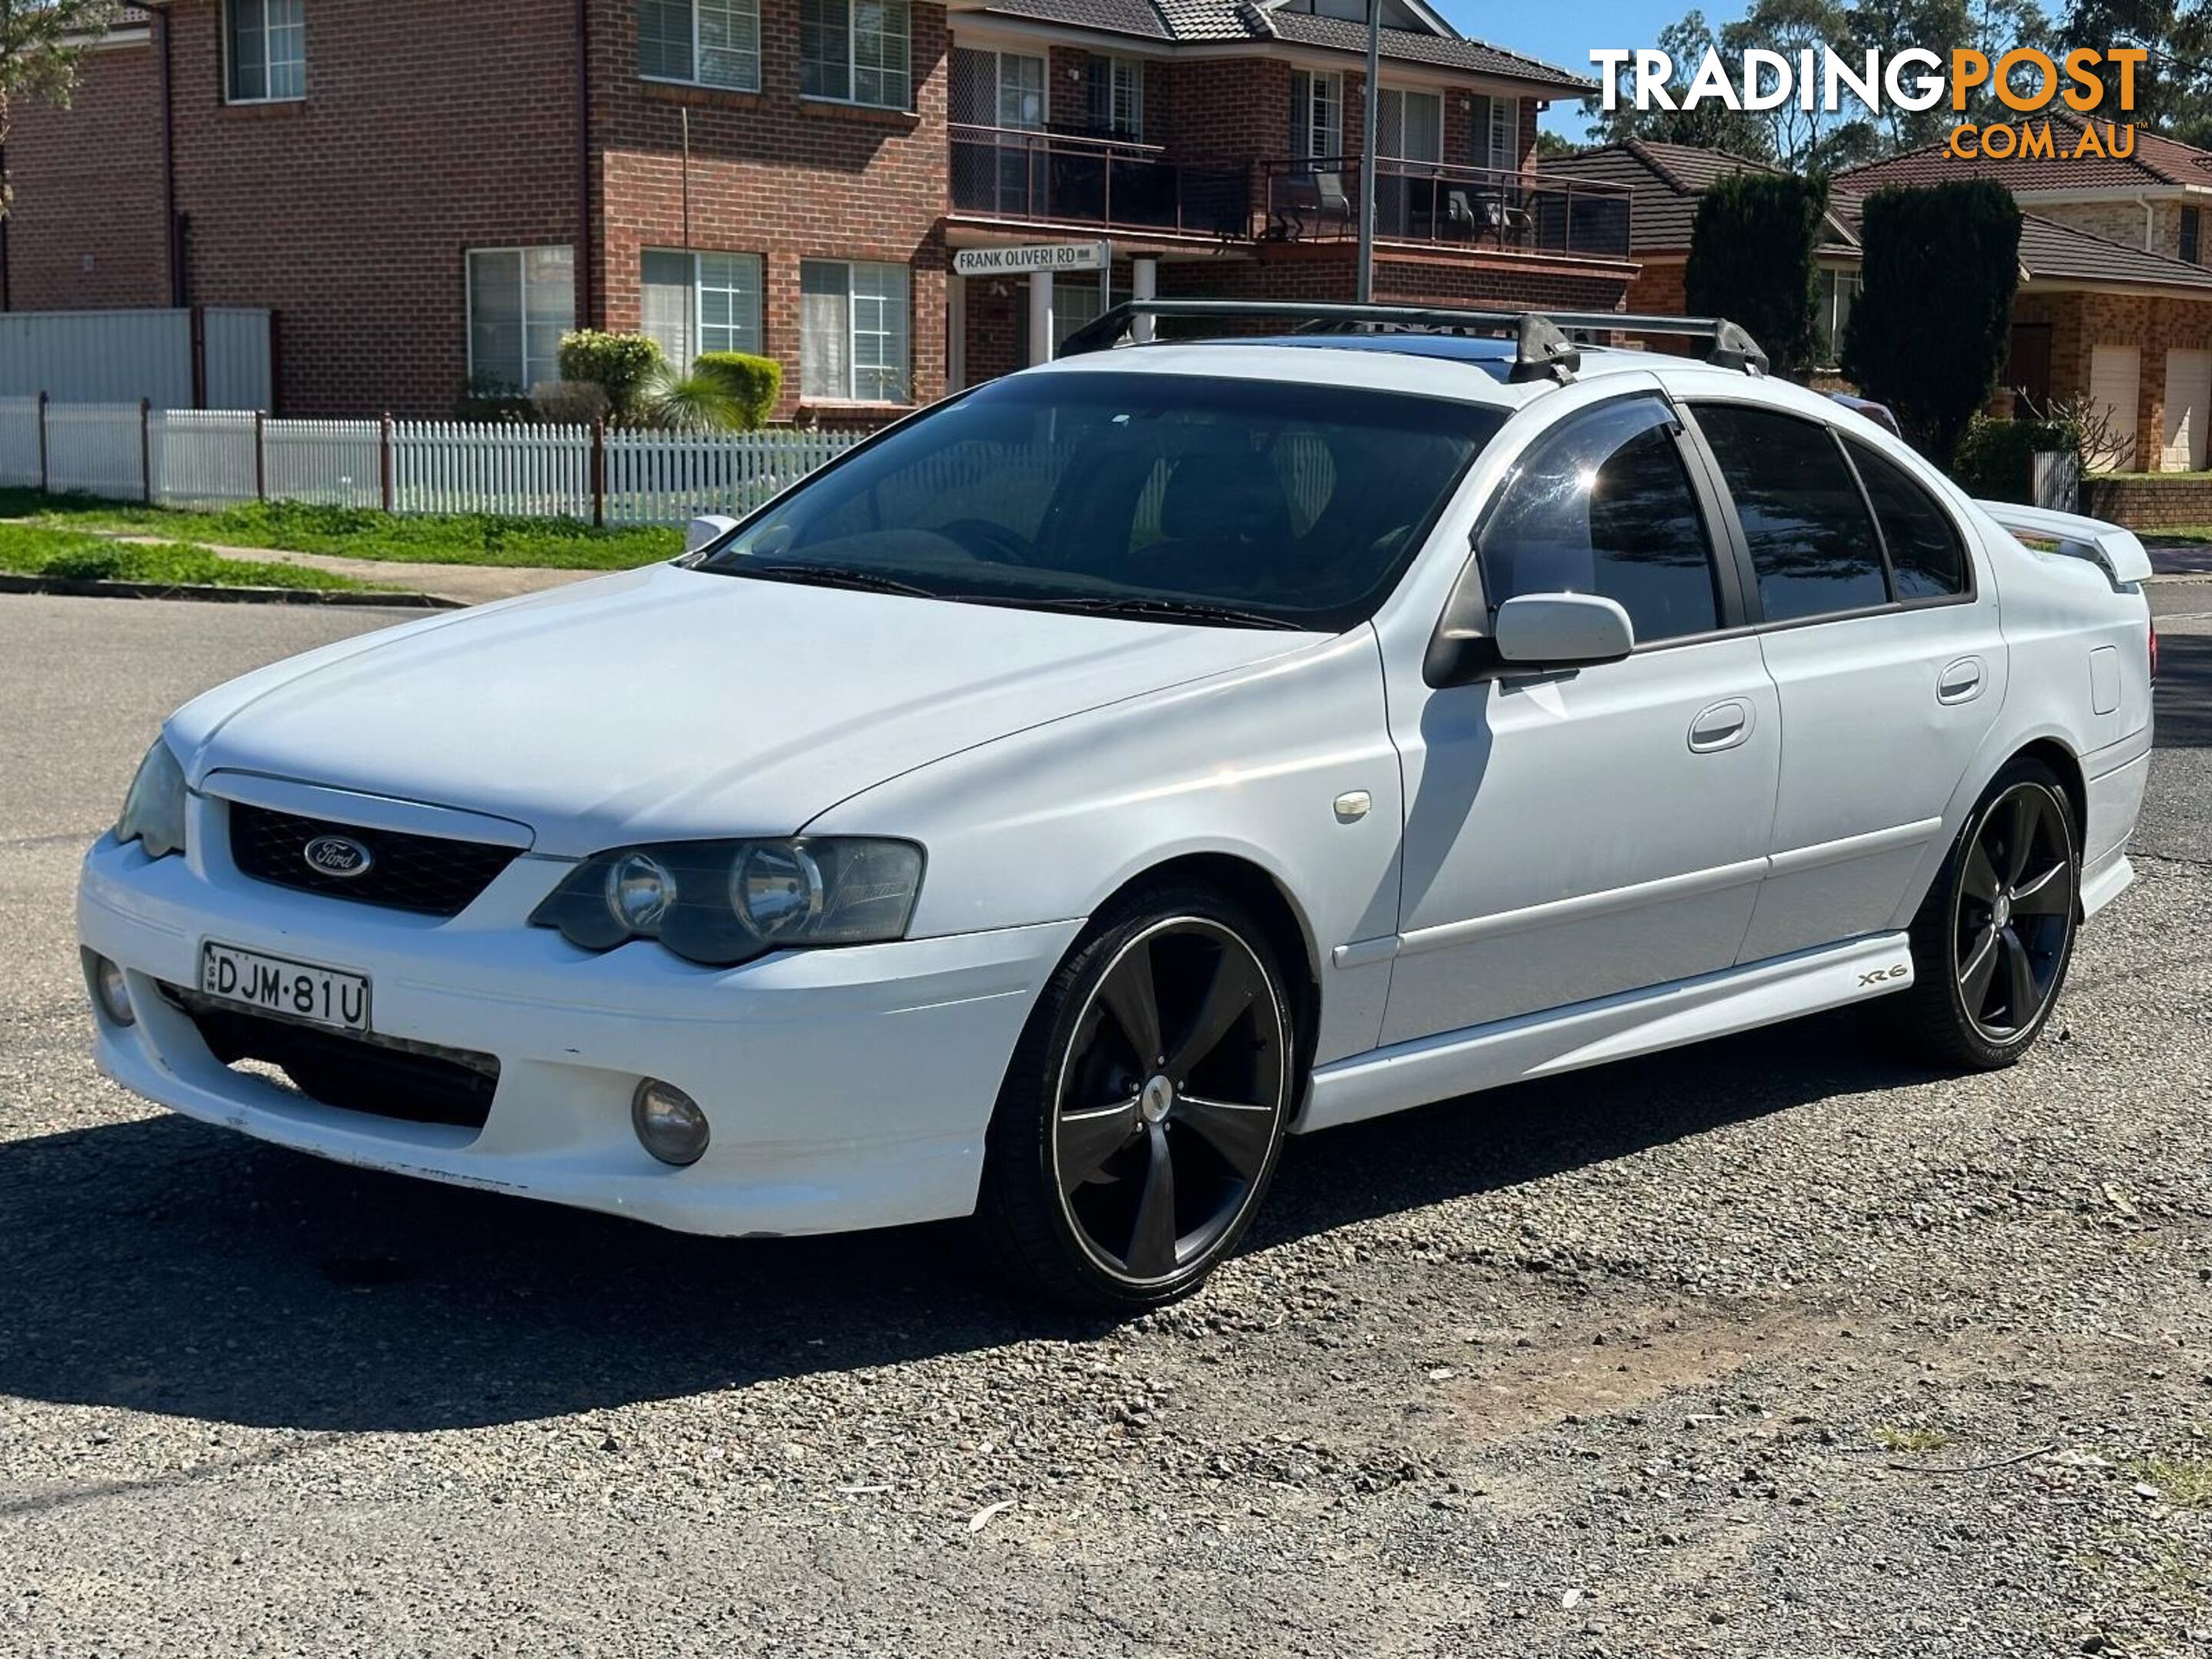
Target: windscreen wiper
[(1155, 608), (826, 576)]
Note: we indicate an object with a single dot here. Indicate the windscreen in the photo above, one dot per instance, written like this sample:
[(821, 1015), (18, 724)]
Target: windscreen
[(1232, 503)]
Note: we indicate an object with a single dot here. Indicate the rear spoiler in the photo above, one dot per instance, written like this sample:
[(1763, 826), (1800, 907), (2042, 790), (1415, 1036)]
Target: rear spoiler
[(2117, 550)]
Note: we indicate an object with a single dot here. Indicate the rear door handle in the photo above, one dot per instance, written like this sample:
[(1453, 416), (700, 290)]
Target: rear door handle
[(1959, 682), (1724, 726)]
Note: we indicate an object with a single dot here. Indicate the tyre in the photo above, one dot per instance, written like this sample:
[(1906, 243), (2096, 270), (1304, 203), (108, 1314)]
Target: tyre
[(1145, 1104), (1993, 937)]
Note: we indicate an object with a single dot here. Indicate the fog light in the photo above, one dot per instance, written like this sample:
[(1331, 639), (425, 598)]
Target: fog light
[(113, 992), (668, 1122)]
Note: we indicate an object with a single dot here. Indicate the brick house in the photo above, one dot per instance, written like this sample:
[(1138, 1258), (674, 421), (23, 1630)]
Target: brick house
[(2093, 305), (1668, 181), (2118, 306), (428, 194)]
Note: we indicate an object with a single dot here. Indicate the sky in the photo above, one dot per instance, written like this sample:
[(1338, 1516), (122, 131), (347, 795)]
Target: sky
[(1564, 34)]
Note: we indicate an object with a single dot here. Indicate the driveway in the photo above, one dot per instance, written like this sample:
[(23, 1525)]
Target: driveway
[(1776, 1346)]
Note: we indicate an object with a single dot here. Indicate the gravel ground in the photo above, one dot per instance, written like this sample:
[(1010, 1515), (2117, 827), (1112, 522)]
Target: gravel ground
[(1772, 1347)]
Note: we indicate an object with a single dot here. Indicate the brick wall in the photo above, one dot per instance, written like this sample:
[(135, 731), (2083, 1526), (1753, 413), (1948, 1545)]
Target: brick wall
[(777, 175), (2167, 503), (2122, 222), (87, 230), (428, 129)]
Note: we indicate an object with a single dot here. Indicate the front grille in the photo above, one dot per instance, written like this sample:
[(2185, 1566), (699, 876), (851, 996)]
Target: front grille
[(415, 1082), (428, 874)]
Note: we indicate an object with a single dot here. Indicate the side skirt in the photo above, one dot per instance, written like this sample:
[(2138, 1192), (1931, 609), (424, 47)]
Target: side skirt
[(1604, 1029)]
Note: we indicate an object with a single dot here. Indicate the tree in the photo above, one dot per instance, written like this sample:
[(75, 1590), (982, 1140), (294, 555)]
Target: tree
[(40, 41), (1752, 260), (1802, 140), (1932, 324), (1710, 126)]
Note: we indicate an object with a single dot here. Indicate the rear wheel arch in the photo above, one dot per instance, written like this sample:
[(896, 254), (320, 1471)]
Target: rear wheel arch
[(2068, 767)]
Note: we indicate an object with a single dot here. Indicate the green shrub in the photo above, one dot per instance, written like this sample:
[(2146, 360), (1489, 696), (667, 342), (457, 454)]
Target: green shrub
[(753, 384), (621, 365), (1931, 327), (1752, 260)]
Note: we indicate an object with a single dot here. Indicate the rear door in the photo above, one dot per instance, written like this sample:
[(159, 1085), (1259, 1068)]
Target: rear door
[(1884, 652)]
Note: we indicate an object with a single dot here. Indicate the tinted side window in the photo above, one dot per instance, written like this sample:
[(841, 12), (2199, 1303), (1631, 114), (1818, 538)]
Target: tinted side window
[(1812, 544), (1925, 555), (1603, 505)]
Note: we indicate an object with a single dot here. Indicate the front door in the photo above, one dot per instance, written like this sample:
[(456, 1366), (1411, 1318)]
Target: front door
[(1886, 652), (1571, 836)]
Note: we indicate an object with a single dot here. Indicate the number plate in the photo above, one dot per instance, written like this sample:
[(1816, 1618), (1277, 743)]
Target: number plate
[(297, 990)]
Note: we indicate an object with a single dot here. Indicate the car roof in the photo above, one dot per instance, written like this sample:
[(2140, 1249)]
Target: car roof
[(1470, 369)]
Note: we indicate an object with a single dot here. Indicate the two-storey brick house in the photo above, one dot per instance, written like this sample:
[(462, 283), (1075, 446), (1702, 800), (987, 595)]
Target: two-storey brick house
[(427, 194)]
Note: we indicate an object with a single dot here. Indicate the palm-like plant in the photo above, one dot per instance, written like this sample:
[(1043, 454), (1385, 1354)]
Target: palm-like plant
[(697, 401)]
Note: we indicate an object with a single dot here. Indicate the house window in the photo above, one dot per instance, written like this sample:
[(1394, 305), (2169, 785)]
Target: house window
[(521, 301), (1117, 98), (712, 43), (852, 331), (2188, 236), (695, 303), (1412, 125), (1317, 114), (1836, 290), (855, 51), (1497, 133), (266, 44)]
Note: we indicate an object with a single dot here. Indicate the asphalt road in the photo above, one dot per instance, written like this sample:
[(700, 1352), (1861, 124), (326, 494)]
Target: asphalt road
[(1778, 1346)]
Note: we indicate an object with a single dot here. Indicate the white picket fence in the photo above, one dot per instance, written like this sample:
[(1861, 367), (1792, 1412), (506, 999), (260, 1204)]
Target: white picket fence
[(210, 458)]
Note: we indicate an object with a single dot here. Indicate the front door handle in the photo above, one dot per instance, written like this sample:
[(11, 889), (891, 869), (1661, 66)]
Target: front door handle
[(1959, 682), (1724, 726)]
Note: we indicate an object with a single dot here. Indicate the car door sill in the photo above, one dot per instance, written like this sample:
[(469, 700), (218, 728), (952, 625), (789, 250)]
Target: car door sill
[(1604, 1029)]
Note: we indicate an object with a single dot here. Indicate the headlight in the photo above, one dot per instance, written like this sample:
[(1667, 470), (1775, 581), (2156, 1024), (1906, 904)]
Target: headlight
[(153, 811), (725, 901)]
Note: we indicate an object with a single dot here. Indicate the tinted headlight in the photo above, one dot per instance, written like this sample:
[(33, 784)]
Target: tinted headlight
[(722, 902), (153, 811)]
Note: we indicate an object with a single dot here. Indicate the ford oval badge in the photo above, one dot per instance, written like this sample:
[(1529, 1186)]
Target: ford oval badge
[(341, 856)]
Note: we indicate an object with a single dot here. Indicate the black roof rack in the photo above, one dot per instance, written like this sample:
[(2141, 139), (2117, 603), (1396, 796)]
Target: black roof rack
[(1542, 350)]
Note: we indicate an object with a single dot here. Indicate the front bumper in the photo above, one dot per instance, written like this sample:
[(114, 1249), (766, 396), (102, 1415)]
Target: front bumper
[(846, 1088)]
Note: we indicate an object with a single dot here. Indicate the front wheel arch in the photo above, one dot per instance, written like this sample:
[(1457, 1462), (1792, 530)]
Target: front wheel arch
[(1288, 933)]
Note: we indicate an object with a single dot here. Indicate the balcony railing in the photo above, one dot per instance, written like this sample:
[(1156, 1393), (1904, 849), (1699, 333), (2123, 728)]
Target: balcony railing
[(1005, 172), (1317, 200)]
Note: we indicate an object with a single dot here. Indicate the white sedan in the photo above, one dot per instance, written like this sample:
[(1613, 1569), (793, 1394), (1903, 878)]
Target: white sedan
[(1050, 807)]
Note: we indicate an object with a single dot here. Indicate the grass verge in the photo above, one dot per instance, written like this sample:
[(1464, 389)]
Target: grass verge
[(353, 533), (33, 550)]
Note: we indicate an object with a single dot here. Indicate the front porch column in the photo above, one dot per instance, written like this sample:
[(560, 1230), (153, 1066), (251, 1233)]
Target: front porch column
[(1040, 317), (955, 333), (1144, 284)]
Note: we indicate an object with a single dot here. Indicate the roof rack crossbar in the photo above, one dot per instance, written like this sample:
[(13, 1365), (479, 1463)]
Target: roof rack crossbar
[(1542, 350)]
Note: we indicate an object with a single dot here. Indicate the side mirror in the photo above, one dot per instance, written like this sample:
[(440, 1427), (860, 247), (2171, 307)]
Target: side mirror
[(706, 529), (1562, 630)]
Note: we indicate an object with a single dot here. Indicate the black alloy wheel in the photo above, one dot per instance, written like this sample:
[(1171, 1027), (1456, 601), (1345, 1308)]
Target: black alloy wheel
[(2014, 917), (1146, 1109), (1995, 934)]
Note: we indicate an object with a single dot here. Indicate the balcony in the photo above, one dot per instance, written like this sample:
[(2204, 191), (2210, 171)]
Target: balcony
[(1050, 178), (1316, 200)]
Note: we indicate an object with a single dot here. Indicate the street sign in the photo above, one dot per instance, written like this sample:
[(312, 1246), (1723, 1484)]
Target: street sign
[(1019, 261)]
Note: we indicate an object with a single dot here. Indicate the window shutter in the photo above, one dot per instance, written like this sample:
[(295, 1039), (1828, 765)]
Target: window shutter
[(1301, 113), (824, 330), (664, 39), (665, 281)]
